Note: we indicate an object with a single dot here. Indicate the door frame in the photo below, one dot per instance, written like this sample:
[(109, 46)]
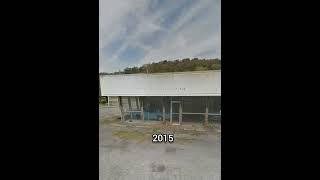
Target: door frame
[(171, 112)]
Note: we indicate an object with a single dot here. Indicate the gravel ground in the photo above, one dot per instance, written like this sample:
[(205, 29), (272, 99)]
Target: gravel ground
[(121, 159)]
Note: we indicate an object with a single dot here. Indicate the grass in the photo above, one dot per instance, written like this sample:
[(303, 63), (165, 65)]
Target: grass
[(157, 131), (102, 100), (131, 135), (167, 129), (143, 134), (113, 120), (210, 125), (191, 134)]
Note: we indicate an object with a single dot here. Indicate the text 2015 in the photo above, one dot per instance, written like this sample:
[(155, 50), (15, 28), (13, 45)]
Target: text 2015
[(159, 138)]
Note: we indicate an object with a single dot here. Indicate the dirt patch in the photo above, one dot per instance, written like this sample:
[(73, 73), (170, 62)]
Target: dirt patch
[(111, 120), (157, 167), (197, 133), (183, 140)]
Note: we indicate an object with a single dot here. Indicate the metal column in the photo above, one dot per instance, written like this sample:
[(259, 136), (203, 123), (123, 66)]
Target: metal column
[(180, 113), (120, 106), (163, 110), (171, 109), (142, 113), (130, 107), (207, 111)]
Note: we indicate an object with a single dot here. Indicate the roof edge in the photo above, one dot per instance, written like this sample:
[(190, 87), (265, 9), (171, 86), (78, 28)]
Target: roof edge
[(160, 73)]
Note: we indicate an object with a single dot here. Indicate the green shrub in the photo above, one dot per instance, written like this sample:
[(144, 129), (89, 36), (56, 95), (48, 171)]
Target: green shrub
[(102, 100)]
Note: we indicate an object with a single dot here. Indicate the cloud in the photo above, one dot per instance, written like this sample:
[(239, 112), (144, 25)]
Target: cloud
[(136, 32)]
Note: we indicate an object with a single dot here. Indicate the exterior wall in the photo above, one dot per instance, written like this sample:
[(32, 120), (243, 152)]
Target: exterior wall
[(196, 83), (113, 101), (185, 109)]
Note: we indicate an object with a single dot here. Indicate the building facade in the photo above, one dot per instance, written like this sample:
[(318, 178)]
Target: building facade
[(176, 97)]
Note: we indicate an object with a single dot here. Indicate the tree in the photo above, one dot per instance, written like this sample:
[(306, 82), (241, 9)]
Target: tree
[(216, 66), (174, 66)]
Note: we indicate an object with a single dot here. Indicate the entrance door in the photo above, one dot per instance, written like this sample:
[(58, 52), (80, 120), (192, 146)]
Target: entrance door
[(175, 111)]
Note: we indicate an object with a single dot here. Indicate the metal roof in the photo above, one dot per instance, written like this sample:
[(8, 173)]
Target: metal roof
[(191, 83)]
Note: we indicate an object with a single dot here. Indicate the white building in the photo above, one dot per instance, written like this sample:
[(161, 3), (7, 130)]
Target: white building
[(175, 96)]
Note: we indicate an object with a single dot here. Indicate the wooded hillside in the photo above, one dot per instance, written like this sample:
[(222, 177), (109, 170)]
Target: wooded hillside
[(174, 66)]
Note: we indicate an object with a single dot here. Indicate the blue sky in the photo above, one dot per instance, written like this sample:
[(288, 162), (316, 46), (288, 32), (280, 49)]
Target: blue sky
[(136, 32)]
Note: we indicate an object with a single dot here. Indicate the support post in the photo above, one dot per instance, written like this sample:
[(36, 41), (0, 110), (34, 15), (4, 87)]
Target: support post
[(120, 107), (130, 107), (142, 113), (180, 112), (171, 111), (163, 110), (206, 114), (129, 102), (137, 103)]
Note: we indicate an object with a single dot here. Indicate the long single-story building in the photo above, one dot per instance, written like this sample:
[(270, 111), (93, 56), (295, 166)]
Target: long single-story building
[(175, 96)]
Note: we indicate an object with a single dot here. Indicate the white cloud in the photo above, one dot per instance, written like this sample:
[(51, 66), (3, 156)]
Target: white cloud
[(193, 33)]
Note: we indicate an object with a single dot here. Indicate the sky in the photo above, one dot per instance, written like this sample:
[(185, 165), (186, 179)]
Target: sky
[(137, 32)]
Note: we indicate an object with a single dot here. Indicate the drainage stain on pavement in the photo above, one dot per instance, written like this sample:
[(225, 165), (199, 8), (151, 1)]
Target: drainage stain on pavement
[(157, 167), (171, 150)]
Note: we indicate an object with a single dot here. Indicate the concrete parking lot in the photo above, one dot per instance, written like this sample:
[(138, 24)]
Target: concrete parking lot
[(127, 153)]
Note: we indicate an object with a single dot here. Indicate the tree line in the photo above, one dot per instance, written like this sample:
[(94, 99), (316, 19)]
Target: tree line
[(186, 64)]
